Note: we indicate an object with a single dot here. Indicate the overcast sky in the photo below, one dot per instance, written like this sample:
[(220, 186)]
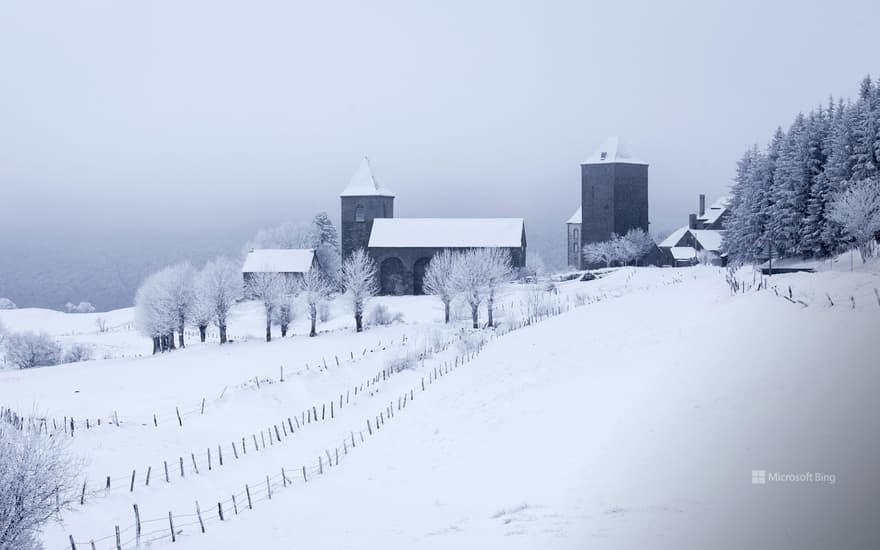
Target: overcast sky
[(148, 119)]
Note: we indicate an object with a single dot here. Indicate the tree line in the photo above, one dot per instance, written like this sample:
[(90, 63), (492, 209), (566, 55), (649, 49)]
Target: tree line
[(814, 189)]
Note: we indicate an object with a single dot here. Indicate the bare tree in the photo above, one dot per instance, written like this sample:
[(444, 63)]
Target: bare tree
[(857, 211), (499, 270), (221, 287), (36, 475), (359, 281), (314, 288), (439, 279), (268, 288), (469, 276)]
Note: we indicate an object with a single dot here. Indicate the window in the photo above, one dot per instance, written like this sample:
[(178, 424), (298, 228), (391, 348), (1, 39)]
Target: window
[(603, 155), (359, 213)]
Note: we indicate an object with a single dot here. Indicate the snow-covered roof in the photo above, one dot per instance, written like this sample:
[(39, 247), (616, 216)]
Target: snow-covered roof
[(674, 237), (683, 252), (446, 232), (612, 150), (710, 239), (278, 260), (715, 210), (576, 217), (364, 184)]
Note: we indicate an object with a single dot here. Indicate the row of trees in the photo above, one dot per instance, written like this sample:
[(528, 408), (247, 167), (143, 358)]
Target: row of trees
[(179, 296), (474, 275), (622, 249), (320, 234), (814, 188)]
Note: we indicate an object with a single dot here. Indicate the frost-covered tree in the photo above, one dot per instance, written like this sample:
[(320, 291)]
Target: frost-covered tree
[(27, 350), (77, 352), (221, 287), (201, 313), (82, 307), (499, 270), (153, 313), (603, 252), (857, 211), (638, 244), (181, 286), (470, 279), (439, 279), (268, 288), (162, 303), (6, 303), (359, 281), (284, 312), (37, 475), (324, 231), (314, 288), (285, 235)]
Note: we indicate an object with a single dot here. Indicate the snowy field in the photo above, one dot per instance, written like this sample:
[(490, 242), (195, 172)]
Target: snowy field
[(635, 419)]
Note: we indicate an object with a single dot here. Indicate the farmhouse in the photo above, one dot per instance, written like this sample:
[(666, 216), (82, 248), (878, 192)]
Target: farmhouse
[(403, 247), (291, 263), (701, 239)]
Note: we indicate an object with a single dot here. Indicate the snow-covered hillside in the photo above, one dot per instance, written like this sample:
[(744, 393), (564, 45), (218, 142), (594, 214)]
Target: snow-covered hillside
[(633, 420)]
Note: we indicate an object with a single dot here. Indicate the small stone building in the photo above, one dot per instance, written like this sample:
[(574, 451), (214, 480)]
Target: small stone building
[(403, 247)]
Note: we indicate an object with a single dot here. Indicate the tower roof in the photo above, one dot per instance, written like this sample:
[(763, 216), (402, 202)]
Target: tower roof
[(576, 217), (612, 150), (364, 184)]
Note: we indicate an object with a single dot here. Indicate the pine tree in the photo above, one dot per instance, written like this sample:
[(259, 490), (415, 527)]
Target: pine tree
[(865, 133)]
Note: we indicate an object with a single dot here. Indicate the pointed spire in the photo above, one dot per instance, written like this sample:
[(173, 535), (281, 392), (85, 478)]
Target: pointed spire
[(364, 184)]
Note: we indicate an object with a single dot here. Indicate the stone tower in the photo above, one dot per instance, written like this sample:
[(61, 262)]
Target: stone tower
[(363, 201), (614, 193)]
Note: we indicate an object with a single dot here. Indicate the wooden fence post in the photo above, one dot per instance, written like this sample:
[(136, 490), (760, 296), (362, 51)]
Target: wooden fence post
[(167, 479), (209, 459), (82, 496), (268, 488), (199, 515), (305, 479), (181, 467), (171, 524), (220, 454), (137, 524), (179, 420), (234, 451), (234, 505), (220, 510), (118, 542), (247, 490), (195, 466), (72, 544)]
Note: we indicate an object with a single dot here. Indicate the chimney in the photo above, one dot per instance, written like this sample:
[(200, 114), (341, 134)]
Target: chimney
[(702, 205), (692, 221)]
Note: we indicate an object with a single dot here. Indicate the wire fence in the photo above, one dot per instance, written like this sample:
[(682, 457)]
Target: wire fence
[(69, 426)]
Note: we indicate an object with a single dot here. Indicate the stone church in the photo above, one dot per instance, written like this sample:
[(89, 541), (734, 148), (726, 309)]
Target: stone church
[(614, 198), (402, 247)]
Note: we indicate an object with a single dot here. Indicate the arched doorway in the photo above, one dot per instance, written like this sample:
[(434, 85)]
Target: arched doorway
[(419, 275), (391, 277)]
